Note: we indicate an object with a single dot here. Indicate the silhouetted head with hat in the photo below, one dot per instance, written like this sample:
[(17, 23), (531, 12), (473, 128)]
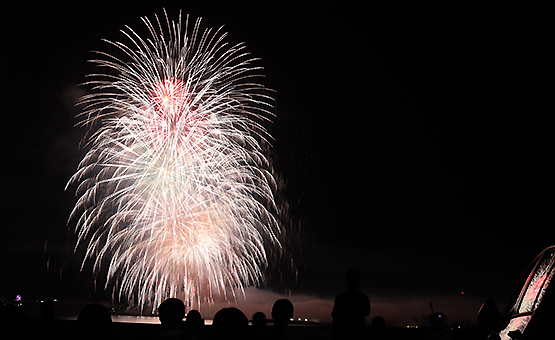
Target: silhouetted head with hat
[(171, 312)]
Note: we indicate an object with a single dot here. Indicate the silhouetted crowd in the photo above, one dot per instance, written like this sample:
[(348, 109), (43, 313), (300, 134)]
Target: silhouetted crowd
[(95, 322)]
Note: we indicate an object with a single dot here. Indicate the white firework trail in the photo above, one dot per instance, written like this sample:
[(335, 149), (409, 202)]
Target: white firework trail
[(175, 193)]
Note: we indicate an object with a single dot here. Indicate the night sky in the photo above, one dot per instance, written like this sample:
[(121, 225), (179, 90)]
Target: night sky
[(415, 142)]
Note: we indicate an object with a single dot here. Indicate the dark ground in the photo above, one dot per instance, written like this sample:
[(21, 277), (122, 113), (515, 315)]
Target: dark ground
[(66, 329)]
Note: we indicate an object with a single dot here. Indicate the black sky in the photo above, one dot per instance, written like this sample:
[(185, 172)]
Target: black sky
[(415, 141)]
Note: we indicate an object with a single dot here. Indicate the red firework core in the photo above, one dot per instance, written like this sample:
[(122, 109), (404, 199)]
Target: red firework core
[(174, 118), (169, 95)]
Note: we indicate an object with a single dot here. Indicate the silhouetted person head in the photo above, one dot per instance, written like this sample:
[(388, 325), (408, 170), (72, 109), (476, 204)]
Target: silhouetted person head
[(282, 312), (352, 277), (171, 312), (94, 322), (377, 329), (194, 324), (378, 323), (193, 316), (259, 319), (230, 323)]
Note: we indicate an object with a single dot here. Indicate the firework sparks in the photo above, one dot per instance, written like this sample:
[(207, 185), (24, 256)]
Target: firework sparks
[(175, 193)]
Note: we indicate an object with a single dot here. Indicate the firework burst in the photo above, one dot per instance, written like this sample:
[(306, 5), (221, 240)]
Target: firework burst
[(175, 193)]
